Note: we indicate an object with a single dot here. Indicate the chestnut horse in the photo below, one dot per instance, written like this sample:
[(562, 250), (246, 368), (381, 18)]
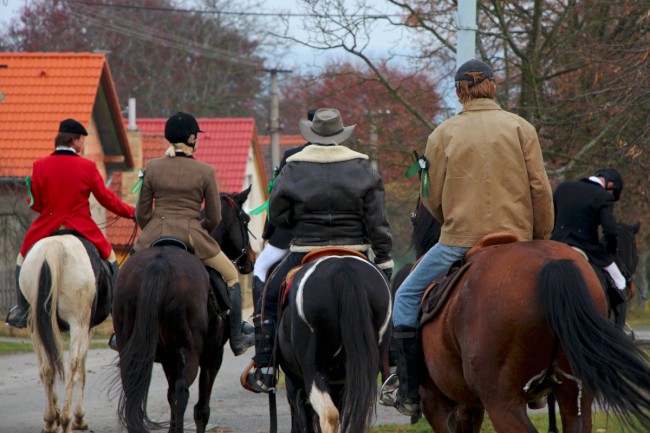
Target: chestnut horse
[(526, 319), (163, 311)]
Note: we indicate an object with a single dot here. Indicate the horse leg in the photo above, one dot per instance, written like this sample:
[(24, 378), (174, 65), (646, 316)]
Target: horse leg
[(79, 422), (51, 417), (79, 341), (568, 399), (300, 419), (318, 392), (508, 417), (210, 366), (180, 373), (445, 415)]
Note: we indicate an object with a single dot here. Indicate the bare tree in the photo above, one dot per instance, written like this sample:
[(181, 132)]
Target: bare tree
[(578, 70)]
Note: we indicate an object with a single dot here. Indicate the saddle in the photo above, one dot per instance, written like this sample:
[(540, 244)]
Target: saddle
[(311, 256), (218, 299), (438, 292)]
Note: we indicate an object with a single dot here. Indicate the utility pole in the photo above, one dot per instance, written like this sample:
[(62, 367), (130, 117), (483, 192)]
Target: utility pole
[(466, 34), (274, 120)]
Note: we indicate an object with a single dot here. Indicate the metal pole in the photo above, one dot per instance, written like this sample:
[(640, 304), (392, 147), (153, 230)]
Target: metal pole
[(274, 121), (466, 34)]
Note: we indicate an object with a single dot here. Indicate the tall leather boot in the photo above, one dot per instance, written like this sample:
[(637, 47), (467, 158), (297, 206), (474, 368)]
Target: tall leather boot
[(115, 271), (239, 341), (408, 370), (262, 378), (258, 290), (17, 316)]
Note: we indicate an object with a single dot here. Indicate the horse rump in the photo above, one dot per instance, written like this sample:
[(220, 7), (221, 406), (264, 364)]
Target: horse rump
[(611, 367)]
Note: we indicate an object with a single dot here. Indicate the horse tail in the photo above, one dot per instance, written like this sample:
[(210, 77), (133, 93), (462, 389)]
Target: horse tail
[(611, 367), (138, 353), (45, 315), (360, 343)]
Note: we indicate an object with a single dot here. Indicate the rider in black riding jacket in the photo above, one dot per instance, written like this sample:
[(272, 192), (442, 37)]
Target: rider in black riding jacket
[(580, 208)]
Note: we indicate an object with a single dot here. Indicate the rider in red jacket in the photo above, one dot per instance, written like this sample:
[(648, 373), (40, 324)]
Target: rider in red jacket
[(61, 184)]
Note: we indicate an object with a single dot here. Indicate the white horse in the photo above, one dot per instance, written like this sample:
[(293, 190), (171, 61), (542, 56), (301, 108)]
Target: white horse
[(58, 280)]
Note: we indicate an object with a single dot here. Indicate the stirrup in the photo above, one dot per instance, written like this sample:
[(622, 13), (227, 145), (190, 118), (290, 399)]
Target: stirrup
[(408, 408), (16, 318), (255, 381), (388, 392), (112, 342)]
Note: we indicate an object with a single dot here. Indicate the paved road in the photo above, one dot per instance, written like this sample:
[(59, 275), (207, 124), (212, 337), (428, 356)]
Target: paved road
[(22, 400), (234, 409)]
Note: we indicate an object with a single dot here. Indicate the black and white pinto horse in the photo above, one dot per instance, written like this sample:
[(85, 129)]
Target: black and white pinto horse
[(332, 337), (61, 277)]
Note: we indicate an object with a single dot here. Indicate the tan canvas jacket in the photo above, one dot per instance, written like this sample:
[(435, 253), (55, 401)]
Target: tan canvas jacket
[(170, 203), (487, 175)]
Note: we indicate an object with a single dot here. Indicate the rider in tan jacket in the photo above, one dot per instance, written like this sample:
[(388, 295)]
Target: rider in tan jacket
[(173, 190)]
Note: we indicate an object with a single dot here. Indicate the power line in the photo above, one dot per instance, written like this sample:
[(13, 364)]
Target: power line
[(148, 34), (235, 13)]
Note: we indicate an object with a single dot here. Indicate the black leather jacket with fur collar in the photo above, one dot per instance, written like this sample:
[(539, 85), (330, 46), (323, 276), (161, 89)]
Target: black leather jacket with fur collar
[(331, 196)]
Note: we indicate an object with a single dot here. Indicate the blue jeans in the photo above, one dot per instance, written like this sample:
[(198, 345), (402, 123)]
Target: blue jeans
[(435, 263)]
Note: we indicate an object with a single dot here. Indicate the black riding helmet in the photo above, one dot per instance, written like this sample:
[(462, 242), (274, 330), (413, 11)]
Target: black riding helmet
[(180, 127), (612, 175)]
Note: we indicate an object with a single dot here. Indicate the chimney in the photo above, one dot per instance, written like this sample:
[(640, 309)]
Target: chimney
[(132, 126)]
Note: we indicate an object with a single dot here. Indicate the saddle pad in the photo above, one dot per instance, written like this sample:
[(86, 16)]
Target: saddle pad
[(438, 292), (285, 287), (331, 251)]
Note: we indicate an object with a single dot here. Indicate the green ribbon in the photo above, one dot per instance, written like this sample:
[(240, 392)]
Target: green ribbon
[(138, 184), (421, 165), (30, 200), (258, 210)]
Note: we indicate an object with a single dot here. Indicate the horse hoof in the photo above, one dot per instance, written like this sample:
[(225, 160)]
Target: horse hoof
[(82, 425)]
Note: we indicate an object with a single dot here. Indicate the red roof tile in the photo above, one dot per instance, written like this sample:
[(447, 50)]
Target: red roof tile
[(37, 91)]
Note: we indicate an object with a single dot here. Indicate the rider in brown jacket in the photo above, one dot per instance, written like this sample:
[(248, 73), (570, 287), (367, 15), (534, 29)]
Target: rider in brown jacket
[(178, 184)]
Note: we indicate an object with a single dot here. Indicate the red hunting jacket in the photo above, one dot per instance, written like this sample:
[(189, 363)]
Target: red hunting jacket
[(61, 185)]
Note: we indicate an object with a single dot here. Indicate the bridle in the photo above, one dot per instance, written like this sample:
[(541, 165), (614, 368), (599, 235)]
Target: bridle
[(243, 219)]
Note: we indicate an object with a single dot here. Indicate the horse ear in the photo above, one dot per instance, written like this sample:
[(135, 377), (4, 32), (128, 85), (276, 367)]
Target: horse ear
[(636, 226), (243, 196)]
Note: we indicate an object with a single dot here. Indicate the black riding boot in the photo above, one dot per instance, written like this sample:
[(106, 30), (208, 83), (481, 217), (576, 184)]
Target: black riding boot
[(114, 272), (239, 341), (403, 390), (258, 290), (262, 379), (17, 316)]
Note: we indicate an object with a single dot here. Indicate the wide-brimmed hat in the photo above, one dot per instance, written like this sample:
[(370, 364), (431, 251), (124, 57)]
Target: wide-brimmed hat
[(326, 128)]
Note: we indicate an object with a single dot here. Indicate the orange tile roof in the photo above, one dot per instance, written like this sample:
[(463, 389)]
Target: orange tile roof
[(37, 91)]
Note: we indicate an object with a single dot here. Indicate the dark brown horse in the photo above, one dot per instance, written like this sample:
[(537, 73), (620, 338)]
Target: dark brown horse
[(526, 319), (163, 311)]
